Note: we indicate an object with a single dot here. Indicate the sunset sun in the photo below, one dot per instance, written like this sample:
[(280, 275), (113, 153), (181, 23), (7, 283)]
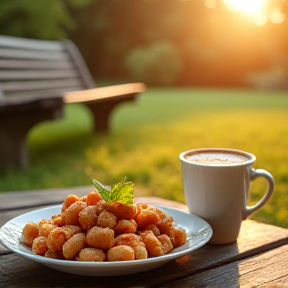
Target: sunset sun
[(248, 7)]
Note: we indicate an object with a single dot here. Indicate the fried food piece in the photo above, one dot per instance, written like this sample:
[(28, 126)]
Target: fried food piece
[(177, 236), (147, 217), (93, 198), (83, 198), (71, 214), (165, 224), (72, 246), (54, 254), (30, 232), (140, 207), (125, 226), (45, 228), (58, 220), (120, 253), (161, 213), (88, 217), (166, 243), (106, 219), (39, 245), (70, 199), (135, 242), (102, 238), (43, 221), (129, 239), (140, 252), (120, 210), (154, 229), (71, 230), (152, 244), (56, 239), (91, 254)]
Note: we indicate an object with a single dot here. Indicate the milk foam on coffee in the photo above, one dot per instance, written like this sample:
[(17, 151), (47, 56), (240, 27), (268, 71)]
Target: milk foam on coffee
[(216, 158)]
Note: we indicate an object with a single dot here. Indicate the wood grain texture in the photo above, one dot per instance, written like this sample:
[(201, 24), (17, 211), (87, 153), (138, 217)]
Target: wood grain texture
[(207, 265), (269, 269), (259, 257), (32, 198)]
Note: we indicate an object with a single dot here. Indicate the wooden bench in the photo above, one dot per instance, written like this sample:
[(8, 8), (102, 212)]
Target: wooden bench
[(36, 79)]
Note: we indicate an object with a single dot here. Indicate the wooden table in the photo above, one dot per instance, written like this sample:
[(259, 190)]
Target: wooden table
[(258, 259)]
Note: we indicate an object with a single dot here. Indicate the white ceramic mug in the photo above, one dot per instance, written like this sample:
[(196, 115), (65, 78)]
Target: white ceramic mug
[(217, 185)]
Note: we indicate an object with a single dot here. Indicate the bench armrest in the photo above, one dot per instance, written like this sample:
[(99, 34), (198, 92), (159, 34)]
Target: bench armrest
[(98, 94)]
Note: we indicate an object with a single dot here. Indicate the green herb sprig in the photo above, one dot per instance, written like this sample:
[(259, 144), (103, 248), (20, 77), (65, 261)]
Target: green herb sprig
[(122, 192)]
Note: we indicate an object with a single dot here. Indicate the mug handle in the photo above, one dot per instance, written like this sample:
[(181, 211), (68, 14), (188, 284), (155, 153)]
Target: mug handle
[(256, 173)]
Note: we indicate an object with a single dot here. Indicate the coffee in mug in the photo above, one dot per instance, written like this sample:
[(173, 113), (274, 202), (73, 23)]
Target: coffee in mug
[(216, 184)]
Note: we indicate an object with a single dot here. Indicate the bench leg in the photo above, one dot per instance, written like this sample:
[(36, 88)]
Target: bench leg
[(14, 128), (102, 111), (13, 149)]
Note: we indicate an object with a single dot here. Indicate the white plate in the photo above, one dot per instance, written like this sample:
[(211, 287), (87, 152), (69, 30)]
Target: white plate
[(198, 233)]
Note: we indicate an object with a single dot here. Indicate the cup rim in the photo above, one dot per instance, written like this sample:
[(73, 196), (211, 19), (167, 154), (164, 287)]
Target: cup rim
[(250, 156)]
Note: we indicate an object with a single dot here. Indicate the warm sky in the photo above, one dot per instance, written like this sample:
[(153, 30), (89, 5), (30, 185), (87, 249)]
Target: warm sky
[(255, 9)]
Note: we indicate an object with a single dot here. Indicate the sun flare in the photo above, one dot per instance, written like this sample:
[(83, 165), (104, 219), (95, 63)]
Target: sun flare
[(248, 7)]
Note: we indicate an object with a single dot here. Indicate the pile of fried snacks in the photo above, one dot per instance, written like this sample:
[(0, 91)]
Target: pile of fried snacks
[(89, 229)]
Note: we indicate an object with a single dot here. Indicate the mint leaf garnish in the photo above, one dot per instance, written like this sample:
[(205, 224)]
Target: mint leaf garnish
[(122, 192)]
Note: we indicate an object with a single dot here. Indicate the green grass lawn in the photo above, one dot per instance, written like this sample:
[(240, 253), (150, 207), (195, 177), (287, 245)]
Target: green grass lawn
[(147, 137)]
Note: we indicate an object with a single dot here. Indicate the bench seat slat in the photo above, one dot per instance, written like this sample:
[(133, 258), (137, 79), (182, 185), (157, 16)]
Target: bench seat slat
[(31, 54), (34, 85), (32, 64), (37, 74)]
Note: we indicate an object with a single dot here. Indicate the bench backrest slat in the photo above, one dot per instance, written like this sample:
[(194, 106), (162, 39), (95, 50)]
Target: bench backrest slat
[(32, 54), (39, 85), (23, 43), (37, 74), (16, 96), (31, 66)]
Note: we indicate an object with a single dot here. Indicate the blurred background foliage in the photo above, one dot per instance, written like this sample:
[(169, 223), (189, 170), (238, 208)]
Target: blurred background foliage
[(187, 42), (195, 44)]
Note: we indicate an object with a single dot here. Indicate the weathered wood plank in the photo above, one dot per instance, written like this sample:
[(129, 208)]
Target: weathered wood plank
[(207, 258), (254, 238), (269, 269), (17, 272), (33, 198)]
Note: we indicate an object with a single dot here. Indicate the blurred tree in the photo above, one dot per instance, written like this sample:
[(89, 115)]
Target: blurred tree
[(216, 46), (158, 64), (42, 19), (211, 46)]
